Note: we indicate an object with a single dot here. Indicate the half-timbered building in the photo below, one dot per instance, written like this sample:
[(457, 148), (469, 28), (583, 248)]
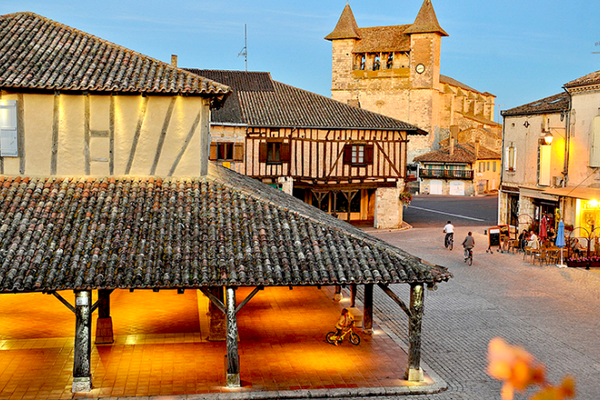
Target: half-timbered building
[(106, 186), (346, 161)]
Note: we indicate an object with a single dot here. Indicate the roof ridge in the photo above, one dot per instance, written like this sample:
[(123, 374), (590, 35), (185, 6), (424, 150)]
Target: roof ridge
[(426, 21)]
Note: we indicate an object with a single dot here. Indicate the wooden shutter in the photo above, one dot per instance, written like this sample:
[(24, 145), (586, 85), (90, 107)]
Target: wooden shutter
[(8, 129), (348, 154), (213, 152), (262, 152), (238, 152), (285, 153), (369, 154)]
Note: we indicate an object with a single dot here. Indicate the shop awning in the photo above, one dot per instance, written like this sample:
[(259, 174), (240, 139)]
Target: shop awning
[(585, 193), (537, 194)]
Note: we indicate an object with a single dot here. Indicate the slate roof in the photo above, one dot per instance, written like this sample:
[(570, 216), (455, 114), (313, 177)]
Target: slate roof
[(589, 79), (38, 53), (463, 153), (259, 101), (222, 229), (553, 104)]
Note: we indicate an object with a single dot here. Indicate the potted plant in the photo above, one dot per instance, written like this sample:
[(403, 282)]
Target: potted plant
[(406, 198)]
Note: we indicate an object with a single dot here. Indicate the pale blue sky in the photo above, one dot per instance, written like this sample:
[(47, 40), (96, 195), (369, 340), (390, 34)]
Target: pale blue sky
[(518, 50)]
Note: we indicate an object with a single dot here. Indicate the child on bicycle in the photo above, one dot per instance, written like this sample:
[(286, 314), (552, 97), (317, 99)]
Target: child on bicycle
[(346, 320), (468, 244)]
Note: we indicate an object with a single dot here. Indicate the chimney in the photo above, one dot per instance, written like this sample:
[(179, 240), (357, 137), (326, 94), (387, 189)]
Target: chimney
[(454, 129), (477, 149), (174, 60), (451, 146)]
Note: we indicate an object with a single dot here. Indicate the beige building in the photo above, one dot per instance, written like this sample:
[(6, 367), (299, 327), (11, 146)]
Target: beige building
[(552, 159), (459, 169), (346, 161), (395, 71)]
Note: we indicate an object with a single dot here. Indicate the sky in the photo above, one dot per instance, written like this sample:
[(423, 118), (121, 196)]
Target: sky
[(518, 50)]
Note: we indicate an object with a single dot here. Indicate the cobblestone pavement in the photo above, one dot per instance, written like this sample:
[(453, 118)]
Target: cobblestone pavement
[(553, 313)]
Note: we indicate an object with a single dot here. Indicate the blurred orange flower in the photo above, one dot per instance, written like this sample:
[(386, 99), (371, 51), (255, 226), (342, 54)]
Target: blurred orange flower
[(518, 369)]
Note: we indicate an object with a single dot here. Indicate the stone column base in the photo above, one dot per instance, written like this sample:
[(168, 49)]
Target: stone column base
[(82, 385), (358, 316), (104, 331), (414, 375), (233, 381)]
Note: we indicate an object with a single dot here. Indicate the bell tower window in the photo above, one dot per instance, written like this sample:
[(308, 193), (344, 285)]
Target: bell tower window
[(390, 61), (376, 63)]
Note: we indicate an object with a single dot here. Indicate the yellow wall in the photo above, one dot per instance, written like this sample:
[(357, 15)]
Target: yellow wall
[(72, 120)]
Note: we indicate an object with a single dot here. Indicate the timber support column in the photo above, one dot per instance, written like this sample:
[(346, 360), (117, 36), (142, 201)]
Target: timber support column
[(233, 360), (82, 375), (104, 327), (338, 293), (414, 372), (368, 309)]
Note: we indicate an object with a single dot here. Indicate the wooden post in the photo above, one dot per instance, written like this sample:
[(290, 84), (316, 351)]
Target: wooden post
[(216, 319), (233, 360), (338, 293), (104, 327), (82, 376), (413, 370), (368, 310), (353, 295)]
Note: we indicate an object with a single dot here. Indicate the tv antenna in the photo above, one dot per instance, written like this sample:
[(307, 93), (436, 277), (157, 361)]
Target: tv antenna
[(596, 52), (244, 51)]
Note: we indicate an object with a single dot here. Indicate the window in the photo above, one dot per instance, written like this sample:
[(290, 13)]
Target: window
[(390, 61), (480, 166), (358, 154), (8, 129), (376, 63), (274, 152), (363, 61), (226, 151), (494, 166), (488, 165), (511, 159)]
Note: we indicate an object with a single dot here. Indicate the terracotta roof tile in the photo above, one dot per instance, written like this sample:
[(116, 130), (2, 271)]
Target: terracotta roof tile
[(259, 101), (38, 53), (382, 39), (346, 27), (426, 21), (589, 79), (553, 104), (463, 153), (224, 229)]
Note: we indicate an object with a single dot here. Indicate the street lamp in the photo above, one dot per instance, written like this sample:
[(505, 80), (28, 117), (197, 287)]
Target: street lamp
[(548, 139)]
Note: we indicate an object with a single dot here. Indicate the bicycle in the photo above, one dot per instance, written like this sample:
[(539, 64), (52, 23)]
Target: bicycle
[(469, 256), (449, 241), (332, 338)]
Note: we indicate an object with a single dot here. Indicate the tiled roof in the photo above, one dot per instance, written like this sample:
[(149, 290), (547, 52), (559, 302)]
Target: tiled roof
[(38, 53), (382, 39), (463, 153), (589, 79), (346, 27), (426, 21), (223, 229), (284, 106), (553, 104), (451, 81)]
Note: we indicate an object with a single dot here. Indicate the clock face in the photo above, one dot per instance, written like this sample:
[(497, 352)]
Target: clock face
[(420, 68)]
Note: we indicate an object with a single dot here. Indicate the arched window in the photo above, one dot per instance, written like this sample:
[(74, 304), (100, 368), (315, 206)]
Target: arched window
[(363, 61), (390, 61), (376, 63)]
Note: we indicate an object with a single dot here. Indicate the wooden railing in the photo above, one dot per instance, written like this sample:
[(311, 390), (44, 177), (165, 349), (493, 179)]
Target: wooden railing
[(446, 173)]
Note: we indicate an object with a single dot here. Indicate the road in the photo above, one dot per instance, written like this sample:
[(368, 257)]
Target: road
[(427, 210), (553, 313)]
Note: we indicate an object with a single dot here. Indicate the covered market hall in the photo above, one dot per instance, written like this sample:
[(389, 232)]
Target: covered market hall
[(139, 251)]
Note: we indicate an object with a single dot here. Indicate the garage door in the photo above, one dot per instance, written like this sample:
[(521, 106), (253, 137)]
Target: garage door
[(457, 188), (435, 187)]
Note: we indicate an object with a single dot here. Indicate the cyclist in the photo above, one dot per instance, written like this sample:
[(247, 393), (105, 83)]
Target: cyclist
[(449, 231), (346, 319), (468, 244)]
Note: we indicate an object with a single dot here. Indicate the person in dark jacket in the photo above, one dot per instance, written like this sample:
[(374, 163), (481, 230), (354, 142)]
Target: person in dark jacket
[(468, 244)]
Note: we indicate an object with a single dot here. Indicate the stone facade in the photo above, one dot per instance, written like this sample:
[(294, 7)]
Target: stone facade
[(395, 71)]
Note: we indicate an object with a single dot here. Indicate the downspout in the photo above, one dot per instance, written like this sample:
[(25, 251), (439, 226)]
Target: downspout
[(567, 138), (502, 157)]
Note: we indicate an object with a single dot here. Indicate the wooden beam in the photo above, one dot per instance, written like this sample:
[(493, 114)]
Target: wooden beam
[(136, 137), (395, 297), (62, 300), (247, 299), (215, 300), (368, 309), (163, 134)]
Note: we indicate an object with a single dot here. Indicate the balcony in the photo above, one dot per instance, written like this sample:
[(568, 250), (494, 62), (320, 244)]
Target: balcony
[(446, 173)]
